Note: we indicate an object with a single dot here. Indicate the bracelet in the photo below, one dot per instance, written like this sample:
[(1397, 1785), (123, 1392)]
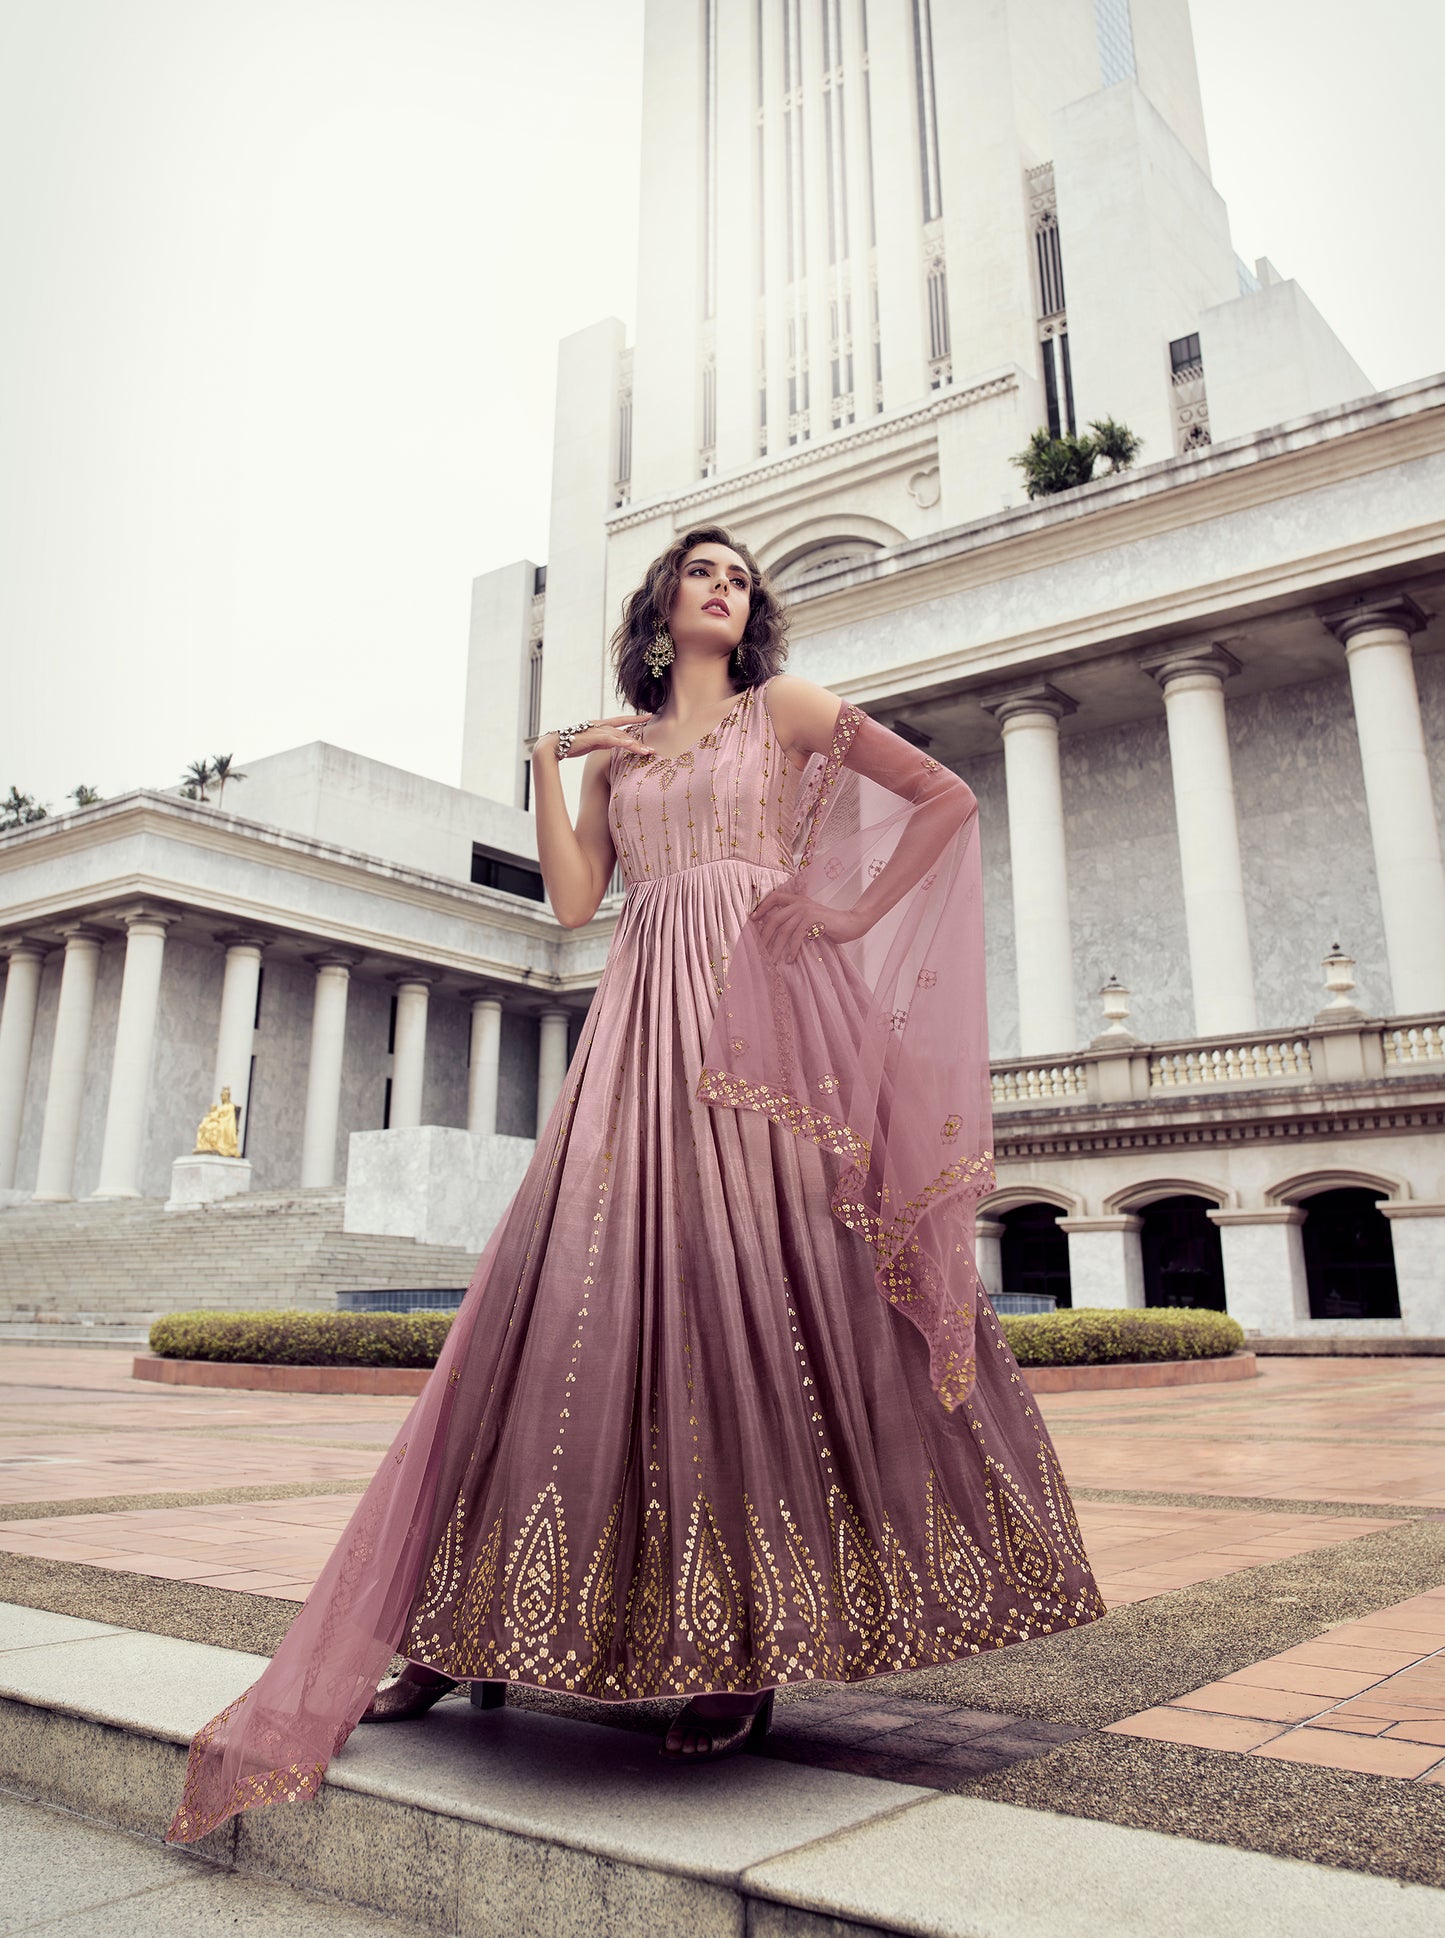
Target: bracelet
[(564, 737)]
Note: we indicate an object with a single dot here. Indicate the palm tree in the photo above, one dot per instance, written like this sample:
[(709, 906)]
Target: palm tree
[(1115, 442), (1051, 464), (196, 779), (223, 769), (18, 810), (84, 796)]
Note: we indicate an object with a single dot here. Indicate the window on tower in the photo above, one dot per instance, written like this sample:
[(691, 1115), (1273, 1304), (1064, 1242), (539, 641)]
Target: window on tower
[(1115, 30)]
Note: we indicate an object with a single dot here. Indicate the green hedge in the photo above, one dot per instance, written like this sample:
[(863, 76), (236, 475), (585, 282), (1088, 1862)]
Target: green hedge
[(1088, 1336), (1104, 1335), (303, 1338)]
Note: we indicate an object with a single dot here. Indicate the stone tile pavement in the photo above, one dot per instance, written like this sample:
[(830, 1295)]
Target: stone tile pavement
[(1178, 1490), (1368, 1695)]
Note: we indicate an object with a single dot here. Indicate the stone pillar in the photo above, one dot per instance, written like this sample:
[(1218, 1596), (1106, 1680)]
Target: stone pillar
[(988, 1253), (1264, 1269), (60, 1132), (1403, 825), (17, 1032), (1106, 1264), (1220, 968), (1417, 1234), (484, 1071), (551, 1062), (1029, 717), (408, 1064), (323, 1076), (236, 1031), (123, 1148)]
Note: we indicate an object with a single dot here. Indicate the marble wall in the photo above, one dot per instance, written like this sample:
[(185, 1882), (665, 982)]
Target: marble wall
[(1309, 867)]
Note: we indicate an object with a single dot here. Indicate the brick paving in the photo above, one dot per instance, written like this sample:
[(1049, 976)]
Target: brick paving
[(279, 1547), (1351, 1430), (1366, 1695)]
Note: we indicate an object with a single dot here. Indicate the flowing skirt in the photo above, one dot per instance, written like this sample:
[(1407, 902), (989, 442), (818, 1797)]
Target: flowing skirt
[(688, 1447)]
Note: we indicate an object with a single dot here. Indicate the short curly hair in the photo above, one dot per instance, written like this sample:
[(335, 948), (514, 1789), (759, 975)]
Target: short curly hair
[(758, 655)]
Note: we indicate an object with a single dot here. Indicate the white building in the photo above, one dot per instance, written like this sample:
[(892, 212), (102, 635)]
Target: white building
[(1200, 701)]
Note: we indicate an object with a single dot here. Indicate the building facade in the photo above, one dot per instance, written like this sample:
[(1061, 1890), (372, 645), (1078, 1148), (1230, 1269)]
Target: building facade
[(883, 243), (1201, 701)]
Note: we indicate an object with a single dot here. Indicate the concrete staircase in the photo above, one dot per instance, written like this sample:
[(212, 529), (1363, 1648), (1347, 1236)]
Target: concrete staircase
[(100, 1272)]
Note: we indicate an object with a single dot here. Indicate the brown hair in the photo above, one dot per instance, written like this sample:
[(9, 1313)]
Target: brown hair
[(758, 655)]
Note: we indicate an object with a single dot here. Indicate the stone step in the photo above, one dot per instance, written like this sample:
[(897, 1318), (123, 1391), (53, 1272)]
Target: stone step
[(471, 1823), (133, 1257), (129, 1341)]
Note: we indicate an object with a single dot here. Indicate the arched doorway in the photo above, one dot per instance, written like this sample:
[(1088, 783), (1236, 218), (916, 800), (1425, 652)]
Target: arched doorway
[(1349, 1258), (1034, 1253), (1182, 1257)]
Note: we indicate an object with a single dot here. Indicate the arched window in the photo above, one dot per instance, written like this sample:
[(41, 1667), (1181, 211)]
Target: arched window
[(1034, 1253), (1183, 1260), (1349, 1259), (826, 555)]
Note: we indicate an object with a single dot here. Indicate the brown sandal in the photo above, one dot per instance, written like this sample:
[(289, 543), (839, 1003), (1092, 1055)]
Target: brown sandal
[(407, 1695), (727, 1735)]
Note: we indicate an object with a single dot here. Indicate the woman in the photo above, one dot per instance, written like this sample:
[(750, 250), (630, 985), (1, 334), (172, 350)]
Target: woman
[(725, 1406)]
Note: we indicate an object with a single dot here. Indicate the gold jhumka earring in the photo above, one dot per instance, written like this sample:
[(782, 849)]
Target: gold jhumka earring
[(661, 653)]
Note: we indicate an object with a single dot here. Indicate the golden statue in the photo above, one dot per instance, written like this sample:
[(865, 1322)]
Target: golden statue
[(217, 1133)]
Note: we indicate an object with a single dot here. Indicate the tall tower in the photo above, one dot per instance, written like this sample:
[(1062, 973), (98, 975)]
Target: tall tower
[(881, 242)]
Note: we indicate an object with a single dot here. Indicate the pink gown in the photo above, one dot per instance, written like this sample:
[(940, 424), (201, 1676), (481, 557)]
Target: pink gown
[(677, 1440)]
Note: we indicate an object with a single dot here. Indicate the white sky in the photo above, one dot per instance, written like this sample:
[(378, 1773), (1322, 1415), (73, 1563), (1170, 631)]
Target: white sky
[(283, 283)]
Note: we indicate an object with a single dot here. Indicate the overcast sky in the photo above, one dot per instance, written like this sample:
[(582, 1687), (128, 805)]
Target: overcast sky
[(283, 281)]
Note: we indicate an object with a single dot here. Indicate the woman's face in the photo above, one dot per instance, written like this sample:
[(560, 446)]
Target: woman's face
[(710, 606)]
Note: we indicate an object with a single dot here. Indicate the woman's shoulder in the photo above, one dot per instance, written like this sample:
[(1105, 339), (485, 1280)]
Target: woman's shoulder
[(803, 713)]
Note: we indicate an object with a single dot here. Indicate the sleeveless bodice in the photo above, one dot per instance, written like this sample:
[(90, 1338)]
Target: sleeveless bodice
[(731, 796)]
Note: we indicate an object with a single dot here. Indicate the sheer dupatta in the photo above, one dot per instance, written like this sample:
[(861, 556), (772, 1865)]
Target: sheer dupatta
[(877, 1048), (273, 1743)]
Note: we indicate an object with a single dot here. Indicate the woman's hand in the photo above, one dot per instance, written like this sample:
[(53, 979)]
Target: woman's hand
[(602, 733), (788, 921)]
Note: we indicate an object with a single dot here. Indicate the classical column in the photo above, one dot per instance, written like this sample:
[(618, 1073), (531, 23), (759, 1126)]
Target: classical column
[(323, 1075), (1029, 717), (551, 1062), (484, 1070), (130, 1067), (1403, 826), (60, 1132), (1262, 1252), (1220, 969), (1417, 1237), (236, 1031), (1106, 1261), (988, 1253), (408, 1063), (17, 1031)]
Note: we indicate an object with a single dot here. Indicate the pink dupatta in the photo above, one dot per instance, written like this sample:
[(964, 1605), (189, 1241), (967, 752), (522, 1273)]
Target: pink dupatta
[(877, 1048)]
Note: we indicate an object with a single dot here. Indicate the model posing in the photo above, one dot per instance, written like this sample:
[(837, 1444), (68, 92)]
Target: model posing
[(725, 1406)]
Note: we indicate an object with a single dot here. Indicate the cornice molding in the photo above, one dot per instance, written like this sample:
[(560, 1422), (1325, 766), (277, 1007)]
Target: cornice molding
[(1279, 1117), (742, 484), (141, 814), (1127, 507)]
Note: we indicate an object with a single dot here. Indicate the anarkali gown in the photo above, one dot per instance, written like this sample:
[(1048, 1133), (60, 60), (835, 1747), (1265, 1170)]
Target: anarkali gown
[(725, 1406)]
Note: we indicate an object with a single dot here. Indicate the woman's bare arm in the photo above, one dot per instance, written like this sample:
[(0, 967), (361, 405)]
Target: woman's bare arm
[(577, 863)]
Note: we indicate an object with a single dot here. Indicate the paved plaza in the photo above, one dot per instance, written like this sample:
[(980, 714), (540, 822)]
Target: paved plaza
[(1271, 1677)]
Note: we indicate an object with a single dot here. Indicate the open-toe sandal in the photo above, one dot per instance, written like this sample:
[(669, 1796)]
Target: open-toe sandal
[(727, 1735), (395, 1701)]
